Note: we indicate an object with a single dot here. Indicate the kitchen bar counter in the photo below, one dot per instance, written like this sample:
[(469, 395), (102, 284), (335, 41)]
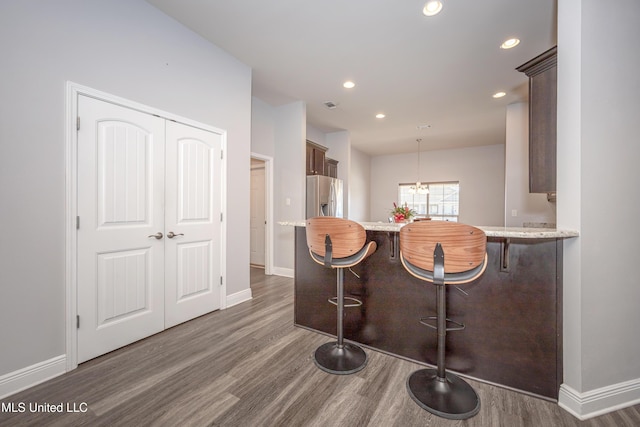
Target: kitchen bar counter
[(490, 231), (513, 313)]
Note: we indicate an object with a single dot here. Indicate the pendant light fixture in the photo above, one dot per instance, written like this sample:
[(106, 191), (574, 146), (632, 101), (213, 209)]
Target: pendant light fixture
[(418, 187)]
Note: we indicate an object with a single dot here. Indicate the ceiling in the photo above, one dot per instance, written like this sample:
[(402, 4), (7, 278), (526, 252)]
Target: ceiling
[(439, 71)]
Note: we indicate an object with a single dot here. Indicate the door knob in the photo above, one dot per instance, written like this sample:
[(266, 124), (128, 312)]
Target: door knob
[(158, 235), (171, 234)]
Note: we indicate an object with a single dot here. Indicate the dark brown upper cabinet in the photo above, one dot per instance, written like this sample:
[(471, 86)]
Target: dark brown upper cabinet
[(315, 158), (331, 167), (542, 73)]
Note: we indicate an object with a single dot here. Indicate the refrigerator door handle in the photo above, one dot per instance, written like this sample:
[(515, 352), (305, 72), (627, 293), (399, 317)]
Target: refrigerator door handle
[(331, 204)]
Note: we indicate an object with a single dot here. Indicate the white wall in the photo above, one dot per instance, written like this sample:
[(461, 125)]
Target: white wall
[(126, 48), (529, 207), (316, 135), (262, 128), (598, 152), (289, 180), (359, 188), (480, 171), (281, 133)]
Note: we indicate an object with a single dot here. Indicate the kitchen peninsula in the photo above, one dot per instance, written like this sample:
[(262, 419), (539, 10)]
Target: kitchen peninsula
[(512, 314)]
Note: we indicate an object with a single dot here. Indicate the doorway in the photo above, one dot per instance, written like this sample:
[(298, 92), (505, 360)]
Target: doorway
[(261, 227), (258, 214)]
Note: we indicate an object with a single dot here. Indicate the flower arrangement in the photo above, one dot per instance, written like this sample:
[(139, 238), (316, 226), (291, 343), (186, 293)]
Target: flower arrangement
[(402, 213)]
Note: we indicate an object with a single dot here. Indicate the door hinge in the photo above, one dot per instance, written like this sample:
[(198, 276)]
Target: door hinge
[(220, 280), (221, 154), (77, 223), (220, 216), (78, 123), (78, 321)]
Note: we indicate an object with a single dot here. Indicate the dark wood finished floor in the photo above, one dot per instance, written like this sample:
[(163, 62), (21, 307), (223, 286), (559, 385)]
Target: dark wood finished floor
[(249, 366)]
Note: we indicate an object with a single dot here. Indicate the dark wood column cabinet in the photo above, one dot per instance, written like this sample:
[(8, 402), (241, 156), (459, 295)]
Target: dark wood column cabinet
[(542, 73), (315, 158), (331, 167)]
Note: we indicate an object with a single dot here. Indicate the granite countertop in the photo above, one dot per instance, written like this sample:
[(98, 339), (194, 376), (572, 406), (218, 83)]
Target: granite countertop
[(490, 231)]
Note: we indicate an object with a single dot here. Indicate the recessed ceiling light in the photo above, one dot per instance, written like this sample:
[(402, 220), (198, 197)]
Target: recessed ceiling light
[(349, 85), (499, 94), (432, 7), (380, 116), (508, 44)]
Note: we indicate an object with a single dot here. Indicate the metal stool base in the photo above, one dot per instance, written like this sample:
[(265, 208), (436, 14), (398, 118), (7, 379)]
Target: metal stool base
[(452, 398), (340, 361)]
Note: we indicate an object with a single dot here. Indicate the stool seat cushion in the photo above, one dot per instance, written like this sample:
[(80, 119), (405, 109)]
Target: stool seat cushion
[(349, 261)]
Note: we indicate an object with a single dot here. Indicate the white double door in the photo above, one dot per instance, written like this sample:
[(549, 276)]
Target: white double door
[(149, 197)]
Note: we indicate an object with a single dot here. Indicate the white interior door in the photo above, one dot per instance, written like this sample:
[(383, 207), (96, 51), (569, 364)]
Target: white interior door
[(192, 247), (258, 215), (148, 244), (120, 293)]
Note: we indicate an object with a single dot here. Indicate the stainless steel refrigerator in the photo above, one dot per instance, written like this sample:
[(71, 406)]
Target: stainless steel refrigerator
[(324, 196)]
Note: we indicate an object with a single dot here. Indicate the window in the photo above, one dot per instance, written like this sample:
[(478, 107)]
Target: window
[(440, 203)]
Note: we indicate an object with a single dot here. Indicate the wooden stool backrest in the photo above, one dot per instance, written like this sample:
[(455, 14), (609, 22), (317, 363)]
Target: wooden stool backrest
[(347, 237), (464, 246)]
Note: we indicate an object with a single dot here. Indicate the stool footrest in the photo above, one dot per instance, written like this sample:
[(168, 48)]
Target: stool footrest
[(356, 302), (458, 326)]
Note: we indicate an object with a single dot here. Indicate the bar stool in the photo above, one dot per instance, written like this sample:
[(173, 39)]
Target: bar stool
[(423, 247), (339, 243)]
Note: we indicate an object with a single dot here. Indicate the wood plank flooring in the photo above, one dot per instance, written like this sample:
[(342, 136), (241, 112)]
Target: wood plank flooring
[(249, 366)]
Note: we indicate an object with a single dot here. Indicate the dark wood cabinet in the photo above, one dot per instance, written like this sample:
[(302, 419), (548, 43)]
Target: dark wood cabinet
[(331, 167), (542, 73), (315, 158)]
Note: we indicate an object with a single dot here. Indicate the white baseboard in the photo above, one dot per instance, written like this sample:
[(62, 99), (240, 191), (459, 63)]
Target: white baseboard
[(286, 272), (24, 378), (238, 297), (600, 401)]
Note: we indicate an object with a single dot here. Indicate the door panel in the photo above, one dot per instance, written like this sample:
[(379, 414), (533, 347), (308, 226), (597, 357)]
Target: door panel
[(193, 192), (121, 285), (120, 205), (122, 162), (194, 272), (194, 179), (258, 216)]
